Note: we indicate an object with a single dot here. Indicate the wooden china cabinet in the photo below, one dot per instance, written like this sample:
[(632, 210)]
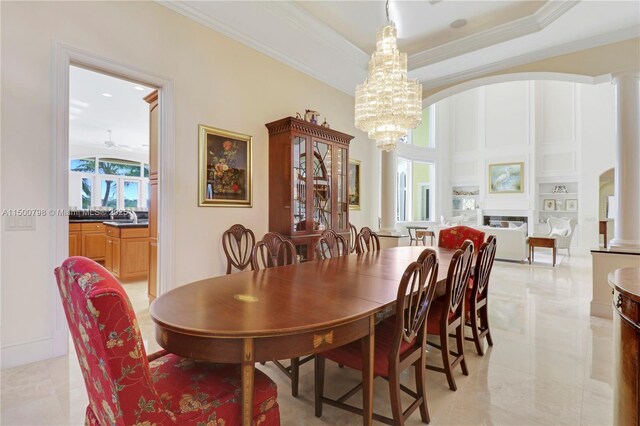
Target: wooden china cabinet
[(308, 182)]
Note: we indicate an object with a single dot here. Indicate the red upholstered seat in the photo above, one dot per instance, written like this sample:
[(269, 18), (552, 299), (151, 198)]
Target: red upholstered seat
[(454, 237), (127, 388), (351, 354)]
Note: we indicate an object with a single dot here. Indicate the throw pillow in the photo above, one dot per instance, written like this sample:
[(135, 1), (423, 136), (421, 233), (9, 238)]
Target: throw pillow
[(557, 232)]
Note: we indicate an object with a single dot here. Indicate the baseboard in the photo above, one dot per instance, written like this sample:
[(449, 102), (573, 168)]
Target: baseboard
[(602, 310), (34, 350)]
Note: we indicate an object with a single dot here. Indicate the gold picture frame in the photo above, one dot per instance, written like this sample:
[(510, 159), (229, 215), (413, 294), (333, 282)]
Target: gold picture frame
[(506, 178), (354, 184), (225, 175)]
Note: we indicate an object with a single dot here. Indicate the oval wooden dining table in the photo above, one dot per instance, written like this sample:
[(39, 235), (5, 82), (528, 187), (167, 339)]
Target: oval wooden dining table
[(286, 312)]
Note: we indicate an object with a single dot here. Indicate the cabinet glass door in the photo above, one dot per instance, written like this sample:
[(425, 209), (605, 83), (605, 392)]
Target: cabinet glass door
[(299, 184), (343, 207), (322, 206)]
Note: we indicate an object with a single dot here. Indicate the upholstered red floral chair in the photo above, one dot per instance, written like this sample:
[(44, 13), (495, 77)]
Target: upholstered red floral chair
[(127, 387), (454, 237)]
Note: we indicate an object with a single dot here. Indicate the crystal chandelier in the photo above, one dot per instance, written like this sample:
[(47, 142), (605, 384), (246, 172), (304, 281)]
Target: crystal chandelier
[(388, 104)]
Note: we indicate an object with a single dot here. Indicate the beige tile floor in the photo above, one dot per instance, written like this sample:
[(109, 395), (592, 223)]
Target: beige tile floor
[(551, 364)]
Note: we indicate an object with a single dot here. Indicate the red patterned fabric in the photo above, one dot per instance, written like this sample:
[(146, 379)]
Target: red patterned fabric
[(351, 354), (435, 313), (454, 237), (124, 388), (467, 299)]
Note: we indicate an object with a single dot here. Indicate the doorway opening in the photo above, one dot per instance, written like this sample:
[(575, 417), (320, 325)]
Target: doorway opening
[(110, 182)]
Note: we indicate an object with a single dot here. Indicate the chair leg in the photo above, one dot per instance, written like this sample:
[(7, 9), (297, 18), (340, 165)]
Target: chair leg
[(444, 343), (475, 330), (295, 373), (460, 345), (318, 362), (420, 389), (394, 395), (484, 320)]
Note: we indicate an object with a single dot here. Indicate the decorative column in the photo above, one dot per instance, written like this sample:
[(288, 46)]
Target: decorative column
[(388, 193), (627, 167)]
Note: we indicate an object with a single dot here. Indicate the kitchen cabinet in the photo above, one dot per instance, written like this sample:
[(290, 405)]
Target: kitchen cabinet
[(93, 241), (75, 239), (127, 252), (308, 182), (152, 289)]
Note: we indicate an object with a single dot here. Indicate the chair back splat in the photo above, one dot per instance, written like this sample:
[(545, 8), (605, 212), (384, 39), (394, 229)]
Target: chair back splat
[(273, 250), (367, 241), (238, 243), (330, 244)]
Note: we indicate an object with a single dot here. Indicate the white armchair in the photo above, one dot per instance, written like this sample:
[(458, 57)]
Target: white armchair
[(562, 229)]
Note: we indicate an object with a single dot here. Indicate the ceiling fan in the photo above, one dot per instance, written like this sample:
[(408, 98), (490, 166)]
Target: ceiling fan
[(112, 144)]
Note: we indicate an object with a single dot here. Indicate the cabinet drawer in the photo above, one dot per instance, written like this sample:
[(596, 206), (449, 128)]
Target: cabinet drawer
[(75, 227), (112, 232), (92, 227)]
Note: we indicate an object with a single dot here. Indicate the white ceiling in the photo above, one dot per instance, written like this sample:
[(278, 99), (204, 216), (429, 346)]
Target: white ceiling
[(332, 40), (92, 115)]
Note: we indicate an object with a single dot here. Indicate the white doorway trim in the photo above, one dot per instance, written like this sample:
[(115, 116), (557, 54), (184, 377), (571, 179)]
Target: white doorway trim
[(65, 56)]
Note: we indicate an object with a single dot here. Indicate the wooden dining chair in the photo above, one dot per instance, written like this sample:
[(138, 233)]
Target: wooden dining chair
[(238, 243), (273, 250), (367, 240), (330, 244), (455, 236), (125, 386), (400, 342), (447, 314), (477, 296), (353, 237)]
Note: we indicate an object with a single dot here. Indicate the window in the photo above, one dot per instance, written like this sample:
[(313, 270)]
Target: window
[(403, 202), (87, 184), (131, 194), (108, 194), (415, 195), (110, 166), (83, 165), (423, 135), (114, 183)]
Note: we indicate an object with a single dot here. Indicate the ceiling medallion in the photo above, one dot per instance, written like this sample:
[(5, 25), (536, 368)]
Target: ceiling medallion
[(388, 104)]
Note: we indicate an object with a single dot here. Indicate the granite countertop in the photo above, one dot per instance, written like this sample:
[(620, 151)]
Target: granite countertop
[(140, 224)]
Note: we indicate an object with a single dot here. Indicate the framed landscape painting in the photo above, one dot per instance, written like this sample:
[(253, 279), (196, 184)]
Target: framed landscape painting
[(225, 168), (505, 178), (354, 184)]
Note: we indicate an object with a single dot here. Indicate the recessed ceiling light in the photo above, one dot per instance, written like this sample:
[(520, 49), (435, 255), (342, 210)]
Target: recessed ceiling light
[(107, 95), (78, 103), (138, 88), (458, 23)]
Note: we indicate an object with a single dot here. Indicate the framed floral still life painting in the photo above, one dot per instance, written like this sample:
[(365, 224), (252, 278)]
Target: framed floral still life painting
[(225, 168), (506, 178), (354, 184)]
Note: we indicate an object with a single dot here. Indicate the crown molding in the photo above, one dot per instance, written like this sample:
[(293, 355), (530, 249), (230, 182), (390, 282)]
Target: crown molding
[(589, 43), (520, 27), (299, 22)]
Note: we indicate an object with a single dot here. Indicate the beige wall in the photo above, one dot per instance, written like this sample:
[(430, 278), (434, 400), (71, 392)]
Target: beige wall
[(218, 82)]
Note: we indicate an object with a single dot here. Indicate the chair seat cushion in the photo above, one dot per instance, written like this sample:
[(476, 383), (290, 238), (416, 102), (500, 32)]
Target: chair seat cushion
[(435, 313), (191, 390), (351, 354)]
